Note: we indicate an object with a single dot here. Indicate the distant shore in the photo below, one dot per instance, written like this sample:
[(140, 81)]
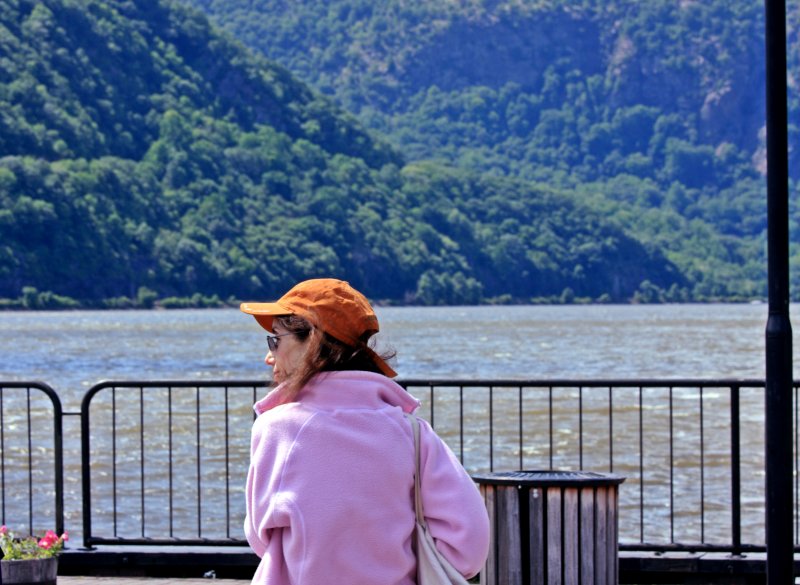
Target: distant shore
[(34, 300)]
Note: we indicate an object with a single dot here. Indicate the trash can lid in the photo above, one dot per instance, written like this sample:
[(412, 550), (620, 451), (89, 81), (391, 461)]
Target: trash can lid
[(548, 478)]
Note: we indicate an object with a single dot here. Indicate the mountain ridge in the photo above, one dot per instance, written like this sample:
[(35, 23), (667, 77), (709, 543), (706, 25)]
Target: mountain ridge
[(585, 96), (180, 165)]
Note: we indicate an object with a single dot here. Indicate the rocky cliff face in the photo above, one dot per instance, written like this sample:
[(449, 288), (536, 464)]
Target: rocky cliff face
[(724, 92), (703, 61), (715, 83), (506, 49)]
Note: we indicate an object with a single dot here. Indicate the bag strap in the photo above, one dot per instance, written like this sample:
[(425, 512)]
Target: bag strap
[(417, 492)]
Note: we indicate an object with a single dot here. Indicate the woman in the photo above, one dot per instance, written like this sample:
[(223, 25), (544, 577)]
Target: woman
[(329, 490)]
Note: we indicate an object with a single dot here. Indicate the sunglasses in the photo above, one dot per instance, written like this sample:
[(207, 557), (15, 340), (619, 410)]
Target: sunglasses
[(272, 341)]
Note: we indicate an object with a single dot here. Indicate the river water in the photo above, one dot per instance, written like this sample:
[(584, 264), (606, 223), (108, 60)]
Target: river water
[(72, 351)]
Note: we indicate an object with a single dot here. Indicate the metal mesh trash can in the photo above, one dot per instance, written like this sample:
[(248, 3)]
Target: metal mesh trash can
[(551, 527)]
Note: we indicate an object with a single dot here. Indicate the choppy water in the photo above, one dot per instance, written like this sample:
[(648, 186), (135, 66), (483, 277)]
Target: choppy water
[(71, 351)]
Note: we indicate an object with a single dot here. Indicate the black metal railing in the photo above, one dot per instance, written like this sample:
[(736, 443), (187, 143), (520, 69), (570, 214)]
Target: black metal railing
[(31, 452), (160, 464), (693, 463), (165, 462)]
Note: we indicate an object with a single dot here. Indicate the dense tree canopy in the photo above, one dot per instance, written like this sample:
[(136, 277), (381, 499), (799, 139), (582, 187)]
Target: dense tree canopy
[(145, 156), (654, 105)]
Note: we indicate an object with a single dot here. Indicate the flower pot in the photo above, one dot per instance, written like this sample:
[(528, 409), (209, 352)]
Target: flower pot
[(28, 571)]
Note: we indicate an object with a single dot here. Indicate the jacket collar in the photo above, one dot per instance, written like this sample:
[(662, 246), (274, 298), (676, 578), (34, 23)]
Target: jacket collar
[(345, 389)]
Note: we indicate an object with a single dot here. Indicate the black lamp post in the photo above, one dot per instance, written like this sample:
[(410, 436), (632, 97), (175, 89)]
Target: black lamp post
[(780, 542)]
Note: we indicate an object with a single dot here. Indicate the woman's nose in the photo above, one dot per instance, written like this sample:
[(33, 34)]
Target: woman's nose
[(270, 359)]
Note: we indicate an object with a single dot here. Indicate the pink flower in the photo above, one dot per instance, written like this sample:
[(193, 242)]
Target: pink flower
[(65, 536), (48, 540), (3, 529)]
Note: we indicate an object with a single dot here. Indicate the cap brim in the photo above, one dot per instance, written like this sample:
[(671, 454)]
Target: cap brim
[(264, 312)]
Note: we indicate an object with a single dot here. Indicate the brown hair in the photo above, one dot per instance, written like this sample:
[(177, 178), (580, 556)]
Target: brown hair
[(325, 353)]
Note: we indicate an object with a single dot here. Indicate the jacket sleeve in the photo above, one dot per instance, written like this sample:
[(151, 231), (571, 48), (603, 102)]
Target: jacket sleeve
[(454, 509), (266, 510)]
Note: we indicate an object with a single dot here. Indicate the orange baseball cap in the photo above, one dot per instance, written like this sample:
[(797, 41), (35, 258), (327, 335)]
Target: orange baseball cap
[(328, 304)]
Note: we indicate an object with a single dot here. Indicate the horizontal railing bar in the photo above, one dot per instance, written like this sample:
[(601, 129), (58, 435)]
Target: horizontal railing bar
[(691, 547), (181, 383), (139, 541), (479, 382), (593, 383)]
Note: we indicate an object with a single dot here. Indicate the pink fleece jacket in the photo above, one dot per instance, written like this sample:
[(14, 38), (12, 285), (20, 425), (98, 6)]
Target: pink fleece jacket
[(329, 490)]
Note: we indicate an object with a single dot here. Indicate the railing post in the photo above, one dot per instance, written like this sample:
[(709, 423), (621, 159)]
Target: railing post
[(736, 477), (58, 457), (86, 472)]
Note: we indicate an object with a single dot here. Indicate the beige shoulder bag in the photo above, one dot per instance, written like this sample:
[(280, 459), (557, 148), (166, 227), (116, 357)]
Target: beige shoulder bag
[(432, 567)]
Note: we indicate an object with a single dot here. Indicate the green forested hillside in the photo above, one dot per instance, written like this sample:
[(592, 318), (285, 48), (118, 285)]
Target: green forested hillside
[(651, 111), (145, 156)]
